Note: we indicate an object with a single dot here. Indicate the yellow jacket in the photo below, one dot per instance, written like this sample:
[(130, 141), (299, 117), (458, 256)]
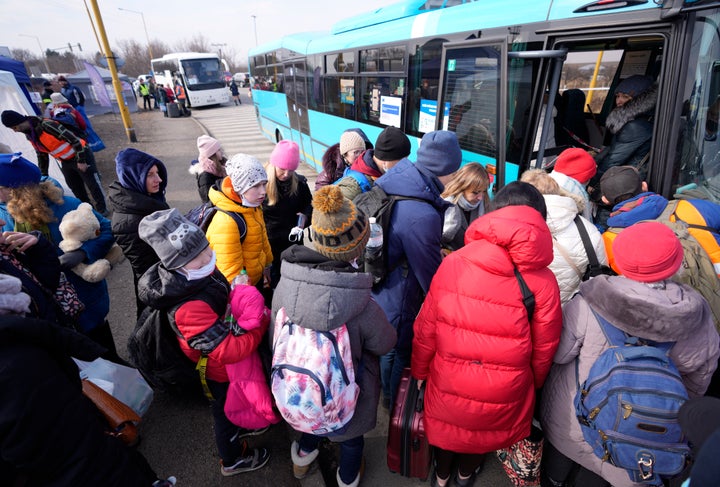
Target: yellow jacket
[(254, 252)]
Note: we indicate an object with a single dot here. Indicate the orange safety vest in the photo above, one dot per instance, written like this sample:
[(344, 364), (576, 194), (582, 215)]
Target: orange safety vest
[(180, 92), (57, 148)]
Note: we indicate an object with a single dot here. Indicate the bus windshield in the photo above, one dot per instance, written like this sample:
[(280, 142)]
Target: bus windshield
[(203, 74)]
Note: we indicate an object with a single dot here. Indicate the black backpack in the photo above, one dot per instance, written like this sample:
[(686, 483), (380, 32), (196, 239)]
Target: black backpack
[(203, 214), (377, 203)]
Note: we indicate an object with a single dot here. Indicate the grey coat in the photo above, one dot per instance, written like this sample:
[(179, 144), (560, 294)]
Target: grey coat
[(321, 294), (676, 313)]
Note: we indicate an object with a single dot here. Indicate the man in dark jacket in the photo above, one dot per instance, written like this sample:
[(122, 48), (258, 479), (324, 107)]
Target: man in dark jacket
[(50, 434), (413, 239)]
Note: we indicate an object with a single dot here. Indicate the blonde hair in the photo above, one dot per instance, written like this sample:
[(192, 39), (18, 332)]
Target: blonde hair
[(29, 204), (547, 185), (471, 177), (272, 193)]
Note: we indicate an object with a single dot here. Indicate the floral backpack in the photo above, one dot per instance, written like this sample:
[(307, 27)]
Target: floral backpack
[(312, 377)]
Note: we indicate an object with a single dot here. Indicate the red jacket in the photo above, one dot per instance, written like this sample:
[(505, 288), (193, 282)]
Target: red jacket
[(473, 343)]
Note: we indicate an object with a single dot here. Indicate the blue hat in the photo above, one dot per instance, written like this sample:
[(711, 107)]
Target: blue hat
[(439, 153), (132, 167), (634, 85), (16, 171)]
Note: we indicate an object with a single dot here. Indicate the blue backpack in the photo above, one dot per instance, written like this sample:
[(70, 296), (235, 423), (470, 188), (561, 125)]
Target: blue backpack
[(628, 407)]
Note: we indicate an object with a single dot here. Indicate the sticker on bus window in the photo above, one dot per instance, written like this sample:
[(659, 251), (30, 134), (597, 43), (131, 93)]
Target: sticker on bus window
[(451, 64)]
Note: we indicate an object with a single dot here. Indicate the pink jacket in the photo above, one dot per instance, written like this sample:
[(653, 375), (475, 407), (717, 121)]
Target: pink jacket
[(249, 403)]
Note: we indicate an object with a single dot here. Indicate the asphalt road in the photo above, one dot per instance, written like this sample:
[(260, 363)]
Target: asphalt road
[(176, 434)]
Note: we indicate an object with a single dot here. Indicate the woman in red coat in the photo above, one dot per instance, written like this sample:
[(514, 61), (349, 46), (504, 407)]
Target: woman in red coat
[(481, 355)]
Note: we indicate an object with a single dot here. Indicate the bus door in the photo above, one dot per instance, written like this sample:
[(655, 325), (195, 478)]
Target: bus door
[(487, 96), (296, 93)]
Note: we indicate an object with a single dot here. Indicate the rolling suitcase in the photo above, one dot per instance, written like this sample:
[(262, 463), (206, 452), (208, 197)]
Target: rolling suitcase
[(173, 110), (408, 450)]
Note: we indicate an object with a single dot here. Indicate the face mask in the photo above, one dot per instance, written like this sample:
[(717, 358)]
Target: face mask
[(204, 271), (250, 204)]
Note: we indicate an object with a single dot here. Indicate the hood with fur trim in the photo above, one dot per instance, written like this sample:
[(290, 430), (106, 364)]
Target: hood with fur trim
[(642, 106)]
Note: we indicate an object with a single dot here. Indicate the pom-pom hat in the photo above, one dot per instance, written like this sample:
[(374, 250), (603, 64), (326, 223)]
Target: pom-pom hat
[(286, 155), (577, 164), (340, 231), (647, 252)]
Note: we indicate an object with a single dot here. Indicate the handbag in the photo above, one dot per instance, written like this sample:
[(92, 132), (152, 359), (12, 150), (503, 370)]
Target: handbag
[(120, 418), (67, 299), (521, 461)]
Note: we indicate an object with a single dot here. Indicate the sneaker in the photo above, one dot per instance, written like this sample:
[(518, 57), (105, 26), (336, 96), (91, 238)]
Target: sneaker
[(243, 433), (258, 459)]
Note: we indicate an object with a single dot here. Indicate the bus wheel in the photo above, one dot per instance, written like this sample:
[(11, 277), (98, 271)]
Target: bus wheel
[(278, 136)]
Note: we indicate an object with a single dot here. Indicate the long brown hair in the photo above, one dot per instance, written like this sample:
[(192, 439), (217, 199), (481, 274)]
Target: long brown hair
[(471, 177), (28, 204)]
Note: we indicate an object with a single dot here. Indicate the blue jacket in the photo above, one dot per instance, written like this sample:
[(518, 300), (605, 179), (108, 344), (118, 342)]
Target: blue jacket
[(414, 237)]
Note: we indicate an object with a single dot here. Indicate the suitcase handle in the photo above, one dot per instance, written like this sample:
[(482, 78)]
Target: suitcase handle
[(420, 403)]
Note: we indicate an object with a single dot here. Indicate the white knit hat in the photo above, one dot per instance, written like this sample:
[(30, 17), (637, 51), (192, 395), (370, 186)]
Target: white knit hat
[(245, 171)]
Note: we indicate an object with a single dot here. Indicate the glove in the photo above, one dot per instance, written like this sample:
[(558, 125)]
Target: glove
[(296, 234), (68, 260)]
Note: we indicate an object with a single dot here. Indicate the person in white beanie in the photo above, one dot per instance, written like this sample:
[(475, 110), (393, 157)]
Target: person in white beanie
[(241, 192), (209, 166)]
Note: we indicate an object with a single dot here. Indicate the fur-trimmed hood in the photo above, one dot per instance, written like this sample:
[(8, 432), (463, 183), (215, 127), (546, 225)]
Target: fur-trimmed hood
[(642, 106)]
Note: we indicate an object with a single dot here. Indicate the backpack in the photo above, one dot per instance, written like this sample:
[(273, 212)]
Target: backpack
[(628, 407), (203, 214), (312, 377), (377, 203), (66, 119), (359, 177), (154, 350)]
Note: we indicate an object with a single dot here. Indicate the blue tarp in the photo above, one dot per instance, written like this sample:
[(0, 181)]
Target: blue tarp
[(17, 68)]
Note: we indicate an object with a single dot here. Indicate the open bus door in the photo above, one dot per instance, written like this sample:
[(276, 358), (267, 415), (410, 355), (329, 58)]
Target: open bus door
[(478, 79), (296, 94)]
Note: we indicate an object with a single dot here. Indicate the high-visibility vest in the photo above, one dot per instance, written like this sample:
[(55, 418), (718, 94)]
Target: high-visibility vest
[(144, 90), (180, 92), (57, 148)]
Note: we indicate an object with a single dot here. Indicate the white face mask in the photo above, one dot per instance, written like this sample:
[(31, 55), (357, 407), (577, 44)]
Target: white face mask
[(204, 271)]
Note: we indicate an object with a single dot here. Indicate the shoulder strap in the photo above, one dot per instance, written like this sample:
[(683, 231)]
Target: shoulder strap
[(618, 338), (239, 221), (527, 294), (563, 251), (589, 250)]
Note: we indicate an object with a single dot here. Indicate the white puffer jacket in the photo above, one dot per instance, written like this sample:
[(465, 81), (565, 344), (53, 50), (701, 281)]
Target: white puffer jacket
[(561, 212)]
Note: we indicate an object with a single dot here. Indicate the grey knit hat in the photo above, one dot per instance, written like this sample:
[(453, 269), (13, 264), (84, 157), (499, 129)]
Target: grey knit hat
[(245, 171), (173, 237)]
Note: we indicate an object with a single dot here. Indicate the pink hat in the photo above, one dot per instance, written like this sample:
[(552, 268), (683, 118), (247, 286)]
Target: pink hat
[(647, 252), (286, 155), (207, 146), (577, 164)]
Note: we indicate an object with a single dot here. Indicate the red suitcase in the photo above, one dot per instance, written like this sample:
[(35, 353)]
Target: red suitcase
[(408, 450)]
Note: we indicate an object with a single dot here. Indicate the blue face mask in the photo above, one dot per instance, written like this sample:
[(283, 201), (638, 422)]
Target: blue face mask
[(204, 271)]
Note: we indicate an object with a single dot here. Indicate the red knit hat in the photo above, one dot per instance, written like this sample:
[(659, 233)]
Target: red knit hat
[(647, 252), (577, 164)]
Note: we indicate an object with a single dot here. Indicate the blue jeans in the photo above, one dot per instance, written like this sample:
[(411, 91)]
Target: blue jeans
[(391, 367), (351, 453), (229, 448)]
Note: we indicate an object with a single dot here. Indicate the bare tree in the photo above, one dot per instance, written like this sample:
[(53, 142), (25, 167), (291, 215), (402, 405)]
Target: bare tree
[(198, 43)]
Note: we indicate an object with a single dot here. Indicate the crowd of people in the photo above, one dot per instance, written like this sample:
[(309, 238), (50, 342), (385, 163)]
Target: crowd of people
[(452, 306)]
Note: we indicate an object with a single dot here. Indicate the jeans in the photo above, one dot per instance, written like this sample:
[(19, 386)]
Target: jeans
[(391, 367), (228, 446), (351, 454)]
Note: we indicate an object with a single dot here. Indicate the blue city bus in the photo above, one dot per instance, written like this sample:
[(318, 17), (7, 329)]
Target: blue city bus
[(497, 72)]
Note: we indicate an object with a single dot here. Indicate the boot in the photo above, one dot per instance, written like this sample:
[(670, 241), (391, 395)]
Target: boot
[(355, 482), (301, 465)]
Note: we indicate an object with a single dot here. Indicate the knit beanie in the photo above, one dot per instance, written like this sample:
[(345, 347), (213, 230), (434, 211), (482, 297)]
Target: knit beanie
[(244, 172), (132, 167), (340, 231), (634, 85), (647, 252), (577, 164), (58, 98), (439, 153), (392, 145), (173, 237), (351, 140), (286, 155), (620, 183), (16, 171), (207, 146), (11, 118)]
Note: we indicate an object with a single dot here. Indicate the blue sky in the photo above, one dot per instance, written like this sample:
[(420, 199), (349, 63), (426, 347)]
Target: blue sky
[(54, 23)]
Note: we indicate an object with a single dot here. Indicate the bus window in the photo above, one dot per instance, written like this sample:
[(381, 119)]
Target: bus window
[(340, 96), (697, 161), (423, 81), (382, 99)]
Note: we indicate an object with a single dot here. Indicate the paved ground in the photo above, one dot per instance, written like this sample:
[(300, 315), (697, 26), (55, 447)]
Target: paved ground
[(177, 434)]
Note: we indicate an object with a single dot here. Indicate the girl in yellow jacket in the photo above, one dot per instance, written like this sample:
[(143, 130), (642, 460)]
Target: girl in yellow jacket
[(242, 191)]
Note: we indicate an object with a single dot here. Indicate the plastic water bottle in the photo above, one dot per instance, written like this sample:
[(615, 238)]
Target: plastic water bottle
[(373, 250), (241, 279)]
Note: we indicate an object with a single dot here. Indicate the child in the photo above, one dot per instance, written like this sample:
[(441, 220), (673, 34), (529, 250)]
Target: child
[(210, 166), (187, 284), (468, 192), (288, 205), (322, 290)]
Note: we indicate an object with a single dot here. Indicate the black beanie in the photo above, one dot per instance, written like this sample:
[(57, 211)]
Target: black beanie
[(392, 145), (11, 118)]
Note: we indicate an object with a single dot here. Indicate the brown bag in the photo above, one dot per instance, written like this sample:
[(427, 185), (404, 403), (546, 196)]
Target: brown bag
[(121, 419)]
